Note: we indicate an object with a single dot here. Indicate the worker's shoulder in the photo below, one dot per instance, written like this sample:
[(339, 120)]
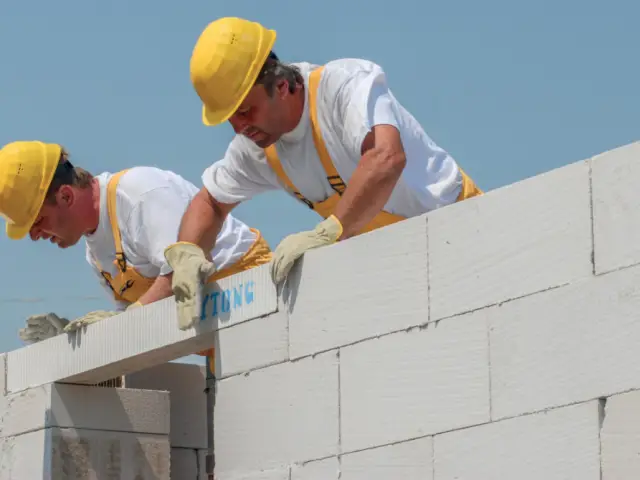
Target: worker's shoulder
[(140, 180), (345, 69)]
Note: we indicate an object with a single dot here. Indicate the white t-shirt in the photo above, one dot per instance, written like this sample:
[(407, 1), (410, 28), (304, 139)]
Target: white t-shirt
[(150, 203), (353, 96)]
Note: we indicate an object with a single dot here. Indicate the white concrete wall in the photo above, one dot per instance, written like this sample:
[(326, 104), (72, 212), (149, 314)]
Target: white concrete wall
[(495, 338)]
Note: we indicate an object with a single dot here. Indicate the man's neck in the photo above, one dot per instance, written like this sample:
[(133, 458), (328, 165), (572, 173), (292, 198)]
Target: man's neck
[(92, 205)]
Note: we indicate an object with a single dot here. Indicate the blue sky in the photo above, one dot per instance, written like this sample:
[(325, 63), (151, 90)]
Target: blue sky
[(511, 89)]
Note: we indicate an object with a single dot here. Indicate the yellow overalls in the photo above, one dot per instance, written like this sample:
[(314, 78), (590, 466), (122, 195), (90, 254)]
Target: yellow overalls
[(129, 285), (326, 207)]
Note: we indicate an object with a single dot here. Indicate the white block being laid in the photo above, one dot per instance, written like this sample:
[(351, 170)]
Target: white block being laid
[(411, 384), (555, 445), (277, 416), (143, 337), (511, 242), (407, 460), (185, 384), (86, 407), (567, 345), (616, 203), (620, 437), (373, 284)]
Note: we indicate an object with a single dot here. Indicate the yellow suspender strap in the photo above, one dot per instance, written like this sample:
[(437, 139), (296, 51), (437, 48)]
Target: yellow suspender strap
[(113, 219), (332, 174)]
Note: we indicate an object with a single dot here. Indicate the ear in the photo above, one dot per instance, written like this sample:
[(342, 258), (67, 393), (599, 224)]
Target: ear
[(66, 195), (282, 87)]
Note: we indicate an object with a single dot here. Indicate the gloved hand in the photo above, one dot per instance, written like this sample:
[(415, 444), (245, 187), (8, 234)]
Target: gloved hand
[(292, 247), (190, 270), (93, 317), (41, 327)]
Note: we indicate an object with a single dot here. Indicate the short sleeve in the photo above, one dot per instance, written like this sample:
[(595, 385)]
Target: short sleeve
[(162, 207), (241, 174), (363, 100)]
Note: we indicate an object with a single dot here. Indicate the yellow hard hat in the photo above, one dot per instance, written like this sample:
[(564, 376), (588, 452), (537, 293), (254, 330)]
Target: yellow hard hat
[(26, 172), (225, 64)]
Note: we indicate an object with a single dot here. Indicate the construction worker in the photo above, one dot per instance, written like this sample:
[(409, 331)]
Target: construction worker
[(333, 136), (127, 220)]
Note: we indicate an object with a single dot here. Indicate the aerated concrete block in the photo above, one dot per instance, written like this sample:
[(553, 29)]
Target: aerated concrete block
[(89, 454), (513, 241), (370, 285), (327, 469), (554, 445), (620, 437), (86, 407), (616, 203), (277, 416), (411, 384), (185, 384), (24, 456), (567, 345), (247, 346), (407, 460)]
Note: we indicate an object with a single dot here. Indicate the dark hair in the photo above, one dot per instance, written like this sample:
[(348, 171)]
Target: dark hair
[(67, 174), (274, 70)]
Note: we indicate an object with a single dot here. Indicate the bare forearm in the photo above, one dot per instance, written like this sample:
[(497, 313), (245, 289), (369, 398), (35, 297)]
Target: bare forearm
[(160, 289), (202, 221), (369, 189)]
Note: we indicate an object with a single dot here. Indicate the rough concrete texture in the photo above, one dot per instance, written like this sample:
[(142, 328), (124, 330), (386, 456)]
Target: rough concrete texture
[(620, 437), (616, 204), (99, 455), (185, 384)]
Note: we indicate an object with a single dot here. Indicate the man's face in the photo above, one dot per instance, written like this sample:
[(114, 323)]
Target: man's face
[(56, 221), (262, 118)]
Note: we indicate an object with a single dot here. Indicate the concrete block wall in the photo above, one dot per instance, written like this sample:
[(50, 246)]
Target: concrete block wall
[(494, 338), (77, 432)]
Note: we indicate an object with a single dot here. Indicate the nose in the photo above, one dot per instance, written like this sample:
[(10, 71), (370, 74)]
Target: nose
[(37, 233), (239, 123)]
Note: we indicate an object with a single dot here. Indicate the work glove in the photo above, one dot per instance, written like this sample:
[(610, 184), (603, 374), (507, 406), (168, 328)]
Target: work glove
[(93, 317), (41, 327), (292, 247), (190, 271)]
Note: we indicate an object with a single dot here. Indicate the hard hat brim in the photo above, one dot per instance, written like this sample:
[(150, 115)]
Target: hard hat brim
[(17, 232), (211, 117)]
